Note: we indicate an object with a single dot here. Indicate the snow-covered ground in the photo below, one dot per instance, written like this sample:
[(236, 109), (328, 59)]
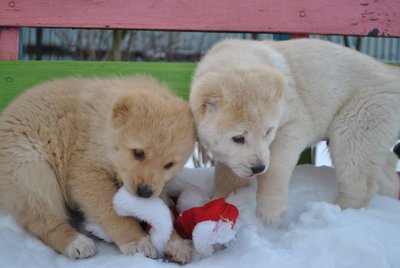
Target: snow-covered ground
[(316, 233)]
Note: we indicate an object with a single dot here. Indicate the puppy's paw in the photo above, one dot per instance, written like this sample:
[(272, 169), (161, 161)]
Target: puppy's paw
[(358, 195), (80, 247), (273, 213), (143, 246), (178, 250), (348, 201)]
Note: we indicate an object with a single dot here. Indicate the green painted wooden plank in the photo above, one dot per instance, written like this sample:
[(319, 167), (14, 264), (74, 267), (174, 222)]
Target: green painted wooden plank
[(16, 76)]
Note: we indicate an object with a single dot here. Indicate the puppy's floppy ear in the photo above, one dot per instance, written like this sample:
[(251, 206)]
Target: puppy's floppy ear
[(120, 111), (271, 78), (128, 106), (281, 84), (208, 95), (211, 102)]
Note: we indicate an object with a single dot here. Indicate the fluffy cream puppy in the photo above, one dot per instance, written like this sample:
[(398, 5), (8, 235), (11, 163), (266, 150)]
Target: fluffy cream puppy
[(69, 144), (258, 105)]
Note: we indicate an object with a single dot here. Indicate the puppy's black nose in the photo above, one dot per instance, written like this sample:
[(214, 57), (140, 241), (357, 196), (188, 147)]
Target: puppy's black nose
[(258, 169), (144, 191), (396, 150)]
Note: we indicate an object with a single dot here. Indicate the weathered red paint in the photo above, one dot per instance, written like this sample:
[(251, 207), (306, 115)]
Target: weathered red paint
[(9, 43), (356, 17)]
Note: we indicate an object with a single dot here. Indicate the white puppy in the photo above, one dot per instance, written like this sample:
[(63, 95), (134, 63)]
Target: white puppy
[(258, 105)]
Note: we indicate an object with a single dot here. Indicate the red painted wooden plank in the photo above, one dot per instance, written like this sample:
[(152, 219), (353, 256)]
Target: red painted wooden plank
[(9, 43), (355, 17)]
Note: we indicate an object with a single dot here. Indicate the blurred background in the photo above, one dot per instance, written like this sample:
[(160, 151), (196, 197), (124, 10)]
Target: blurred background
[(124, 45), (169, 46)]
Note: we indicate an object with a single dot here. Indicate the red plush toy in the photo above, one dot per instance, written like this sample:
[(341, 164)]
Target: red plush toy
[(217, 211), (209, 225)]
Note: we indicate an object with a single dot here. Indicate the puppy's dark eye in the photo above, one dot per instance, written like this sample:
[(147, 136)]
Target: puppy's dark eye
[(138, 154), (239, 139), (168, 165)]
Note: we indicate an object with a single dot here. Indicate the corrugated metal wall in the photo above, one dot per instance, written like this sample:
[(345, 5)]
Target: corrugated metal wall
[(384, 49)]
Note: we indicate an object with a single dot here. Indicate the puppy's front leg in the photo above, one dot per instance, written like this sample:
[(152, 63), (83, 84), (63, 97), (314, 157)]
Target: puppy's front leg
[(178, 250), (94, 193), (273, 186)]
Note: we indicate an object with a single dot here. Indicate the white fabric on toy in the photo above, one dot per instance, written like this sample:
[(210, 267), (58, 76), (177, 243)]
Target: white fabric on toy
[(208, 234), (151, 210)]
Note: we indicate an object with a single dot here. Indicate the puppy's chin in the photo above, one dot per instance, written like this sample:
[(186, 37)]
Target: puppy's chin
[(134, 190), (242, 172), (245, 172)]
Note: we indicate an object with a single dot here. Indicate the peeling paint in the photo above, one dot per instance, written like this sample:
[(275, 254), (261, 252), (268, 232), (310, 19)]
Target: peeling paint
[(374, 32)]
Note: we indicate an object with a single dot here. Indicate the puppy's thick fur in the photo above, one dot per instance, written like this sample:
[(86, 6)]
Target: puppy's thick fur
[(258, 105), (69, 143)]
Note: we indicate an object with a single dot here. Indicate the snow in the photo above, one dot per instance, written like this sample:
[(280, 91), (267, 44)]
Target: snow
[(316, 233)]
